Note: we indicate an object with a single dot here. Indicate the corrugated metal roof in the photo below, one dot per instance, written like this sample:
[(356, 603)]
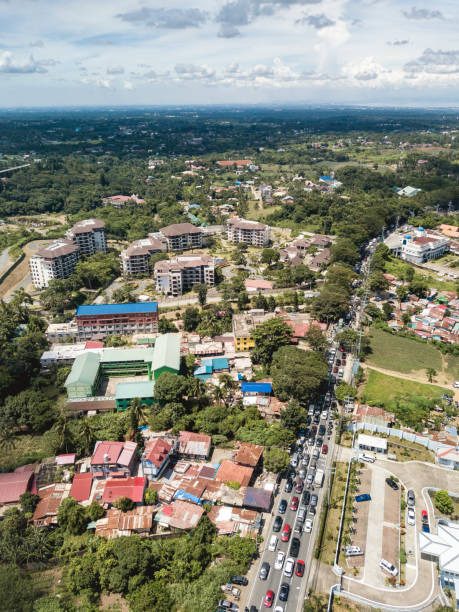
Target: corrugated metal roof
[(107, 309), (81, 486), (84, 369), (258, 498), (167, 352), (112, 355), (129, 390), (247, 387)]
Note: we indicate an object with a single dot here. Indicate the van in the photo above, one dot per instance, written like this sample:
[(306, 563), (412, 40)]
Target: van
[(353, 551), (273, 543), (294, 460), (366, 457)]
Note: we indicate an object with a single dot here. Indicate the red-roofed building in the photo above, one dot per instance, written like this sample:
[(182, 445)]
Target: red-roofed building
[(14, 484), (193, 445), (111, 457), (81, 487), (232, 472), (45, 514), (156, 457), (93, 344), (180, 515), (66, 459), (252, 284), (133, 488), (249, 454)]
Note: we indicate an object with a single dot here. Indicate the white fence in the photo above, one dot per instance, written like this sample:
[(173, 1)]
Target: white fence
[(398, 433)]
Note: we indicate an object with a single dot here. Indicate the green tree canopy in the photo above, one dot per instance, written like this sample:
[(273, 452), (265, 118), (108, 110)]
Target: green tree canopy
[(297, 374), (275, 459), (269, 337), (443, 502), (170, 387)]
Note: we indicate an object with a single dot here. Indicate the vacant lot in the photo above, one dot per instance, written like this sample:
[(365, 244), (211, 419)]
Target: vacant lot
[(382, 388)]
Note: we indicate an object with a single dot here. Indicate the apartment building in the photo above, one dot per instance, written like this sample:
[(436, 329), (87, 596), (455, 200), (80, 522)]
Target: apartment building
[(180, 273), (250, 232), (89, 236), (135, 260), (53, 261), (104, 319), (182, 236)]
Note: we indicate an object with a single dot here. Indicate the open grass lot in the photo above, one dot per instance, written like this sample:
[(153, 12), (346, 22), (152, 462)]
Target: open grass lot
[(396, 266), (26, 446), (400, 354), (455, 512), (381, 388), (453, 366), (409, 451), (327, 553)]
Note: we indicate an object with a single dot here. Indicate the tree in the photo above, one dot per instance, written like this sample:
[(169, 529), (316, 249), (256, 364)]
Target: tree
[(316, 338), (94, 511), (151, 497), (191, 319), (348, 339), (170, 387), (86, 436), (293, 416), (242, 300), (431, 372), (63, 430), (165, 326), (28, 502), (344, 391), (331, 304), (8, 440), (138, 413), (16, 589), (378, 282), (268, 338), (419, 287), (402, 293), (201, 290), (71, 516), (443, 502), (297, 374), (344, 251), (124, 504), (269, 256), (151, 596), (275, 459), (388, 309)]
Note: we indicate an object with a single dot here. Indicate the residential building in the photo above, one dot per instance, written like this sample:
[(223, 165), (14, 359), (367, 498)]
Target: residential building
[(132, 488), (423, 247), (156, 457), (182, 236), (89, 236), (232, 472), (116, 459), (258, 499), (61, 331), (255, 285), (193, 445), (249, 454), (81, 487), (244, 323), (239, 163), (407, 192), (53, 261), (118, 201), (250, 232), (14, 484), (448, 457), (104, 319), (116, 523), (135, 260), (51, 497), (176, 275), (180, 515)]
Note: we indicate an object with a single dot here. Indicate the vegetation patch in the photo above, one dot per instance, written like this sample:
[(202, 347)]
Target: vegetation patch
[(400, 354)]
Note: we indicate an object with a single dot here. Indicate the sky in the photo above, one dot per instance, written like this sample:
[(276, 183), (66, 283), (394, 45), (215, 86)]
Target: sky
[(185, 52)]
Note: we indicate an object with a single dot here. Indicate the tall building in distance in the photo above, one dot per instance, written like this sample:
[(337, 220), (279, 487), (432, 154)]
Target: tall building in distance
[(135, 260), (176, 275), (250, 232), (89, 236), (98, 321), (57, 260), (182, 236)]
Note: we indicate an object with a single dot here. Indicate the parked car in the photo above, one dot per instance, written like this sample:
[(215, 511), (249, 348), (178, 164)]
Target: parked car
[(282, 506), (228, 605), (388, 567), (299, 486), (324, 449), (294, 503), (264, 570), (305, 460), (299, 571), (353, 551), (288, 486), (284, 591), (314, 499), (319, 442), (289, 567), (269, 598), (279, 562), (308, 525), (285, 537), (411, 516), (425, 517), (240, 580), (273, 543), (295, 547), (410, 498), (392, 484), (306, 498)]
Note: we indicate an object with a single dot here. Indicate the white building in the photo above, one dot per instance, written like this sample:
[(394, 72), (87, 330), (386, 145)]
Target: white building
[(448, 456), (135, 260), (250, 232), (60, 331), (371, 443), (65, 354), (182, 236), (176, 275), (423, 246), (89, 236), (54, 261), (408, 192)]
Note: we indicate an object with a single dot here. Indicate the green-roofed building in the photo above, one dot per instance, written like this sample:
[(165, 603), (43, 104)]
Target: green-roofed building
[(127, 391), (166, 356), (127, 362), (83, 378)]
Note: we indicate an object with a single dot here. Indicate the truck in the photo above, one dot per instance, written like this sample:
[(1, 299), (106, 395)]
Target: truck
[(319, 478)]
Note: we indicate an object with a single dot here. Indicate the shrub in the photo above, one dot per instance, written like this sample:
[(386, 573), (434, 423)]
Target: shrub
[(443, 502)]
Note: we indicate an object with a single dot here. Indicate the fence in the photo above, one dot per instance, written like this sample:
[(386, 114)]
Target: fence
[(398, 433)]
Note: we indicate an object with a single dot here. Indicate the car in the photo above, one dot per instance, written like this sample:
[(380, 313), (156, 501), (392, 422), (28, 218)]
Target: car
[(305, 460), (392, 484), (306, 498), (299, 486), (294, 503), (353, 551), (224, 604), (278, 609), (282, 506), (285, 537), (273, 543), (343, 362), (317, 419), (309, 478), (425, 517), (301, 475), (312, 510), (313, 465), (311, 441), (321, 430), (411, 516), (269, 598), (316, 453), (388, 567), (314, 430), (338, 362), (264, 570), (314, 499), (456, 384), (288, 486), (299, 570), (308, 525), (240, 580), (301, 515), (410, 498), (335, 369), (279, 562), (289, 567), (283, 592), (277, 524), (253, 609), (324, 449), (295, 547), (319, 442)]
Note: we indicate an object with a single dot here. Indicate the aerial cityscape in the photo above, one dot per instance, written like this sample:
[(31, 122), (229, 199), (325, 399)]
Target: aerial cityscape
[(229, 306)]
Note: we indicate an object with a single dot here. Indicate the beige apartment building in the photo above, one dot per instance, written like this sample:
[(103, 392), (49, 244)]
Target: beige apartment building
[(176, 275), (89, 236), (135, 260), (54, 261), (250, 232), (182, 236)]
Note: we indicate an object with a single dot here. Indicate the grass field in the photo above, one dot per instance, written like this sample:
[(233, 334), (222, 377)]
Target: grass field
[(30, 446), (381, 388), (396, 267), (400, 354)]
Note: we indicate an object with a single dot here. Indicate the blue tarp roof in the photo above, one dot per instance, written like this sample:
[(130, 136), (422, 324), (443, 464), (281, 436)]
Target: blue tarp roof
[(258, 498), (181, 494), (247, 387), (215, 363), (326, 178), (103, 309)]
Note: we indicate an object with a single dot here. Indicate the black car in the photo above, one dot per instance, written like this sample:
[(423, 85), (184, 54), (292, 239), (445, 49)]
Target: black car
[(317, 419), (283, 506), (277, 523), (392, 484), (321, 430), (288, 486), (253, 609), (283, 592), (319, 442), (306, 498), (314, 499), (295, 547), (242, 580)]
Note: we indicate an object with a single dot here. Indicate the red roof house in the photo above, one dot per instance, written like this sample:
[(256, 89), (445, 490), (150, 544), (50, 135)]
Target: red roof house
[(133, 488), (232, 472), (112, 457), (81, 486), (14, 484), (156, 457)]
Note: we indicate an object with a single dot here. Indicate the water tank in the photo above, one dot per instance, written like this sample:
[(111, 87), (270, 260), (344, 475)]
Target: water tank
[(106, 458)]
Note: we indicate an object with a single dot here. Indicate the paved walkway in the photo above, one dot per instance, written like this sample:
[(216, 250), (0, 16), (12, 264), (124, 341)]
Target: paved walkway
[(373, 548)]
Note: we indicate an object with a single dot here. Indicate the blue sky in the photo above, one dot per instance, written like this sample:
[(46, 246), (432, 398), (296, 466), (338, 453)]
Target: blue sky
[(62, 52)]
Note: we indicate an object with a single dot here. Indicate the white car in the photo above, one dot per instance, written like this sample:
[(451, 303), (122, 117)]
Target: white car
[(279, 562), (289, 567), (278, 609), (456, 384), (324, 415), (308, 525), (411, 520), (385, 565)]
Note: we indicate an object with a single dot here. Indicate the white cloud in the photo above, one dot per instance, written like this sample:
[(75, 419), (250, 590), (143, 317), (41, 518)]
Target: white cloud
[(115, 70), (103, 83), (9, 65), (128, 85)]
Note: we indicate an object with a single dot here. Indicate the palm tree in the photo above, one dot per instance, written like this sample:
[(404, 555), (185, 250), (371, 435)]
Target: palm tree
[(218, 394), (62, 427), (431, 372), (227, 384), (86, 434), (198, 389), (8, 439), (137, 413)]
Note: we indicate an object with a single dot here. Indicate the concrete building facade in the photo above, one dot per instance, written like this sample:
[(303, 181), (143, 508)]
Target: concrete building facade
[(135, 260), (89, 236), (182, 236), (250, 232), (54, 261), (174, 276), (104, 319)]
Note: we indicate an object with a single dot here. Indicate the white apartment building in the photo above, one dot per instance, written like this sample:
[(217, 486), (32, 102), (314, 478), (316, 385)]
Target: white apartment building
[(182, 236), (180, 273), (423, 246), (56, 260), (135, 260), (89, 236), (250, 232)]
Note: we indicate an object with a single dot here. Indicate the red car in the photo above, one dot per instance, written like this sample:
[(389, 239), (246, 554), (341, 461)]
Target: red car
[(299, 486), (294, 503), (335, 370), (344, 362), (299, 571), (269, 598), (324, 449), (285, 537)]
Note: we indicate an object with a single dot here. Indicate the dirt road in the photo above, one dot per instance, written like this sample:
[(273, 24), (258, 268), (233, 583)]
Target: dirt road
[(18, 277)]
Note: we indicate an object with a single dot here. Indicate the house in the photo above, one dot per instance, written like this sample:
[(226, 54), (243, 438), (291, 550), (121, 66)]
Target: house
[(118, 201), (132, 488), (179, 515), (448, 457), (193, 445), (252, 285), (211, 366), (81, 487), (320, 260), (372, 443), (51, 497), (14, 484), (230, 521), (249, 454), (408, 192), (256, 388), (156, 457), (113, 459), (372, 415), (117, 523), (258, 499), (232, 472)]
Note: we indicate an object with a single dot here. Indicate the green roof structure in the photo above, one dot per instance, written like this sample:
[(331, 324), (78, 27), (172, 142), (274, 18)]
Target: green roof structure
[(166, 354), (83, 377), (129, 390), (112, 355)]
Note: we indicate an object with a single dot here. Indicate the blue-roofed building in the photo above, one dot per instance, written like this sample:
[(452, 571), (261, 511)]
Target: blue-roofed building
[(256, 388), (97, 321), (203, 372), (209, 366)]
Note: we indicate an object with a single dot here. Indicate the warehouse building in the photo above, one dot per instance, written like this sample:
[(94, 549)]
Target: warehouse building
[(98, 321), (83, 378), (166, 357)]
